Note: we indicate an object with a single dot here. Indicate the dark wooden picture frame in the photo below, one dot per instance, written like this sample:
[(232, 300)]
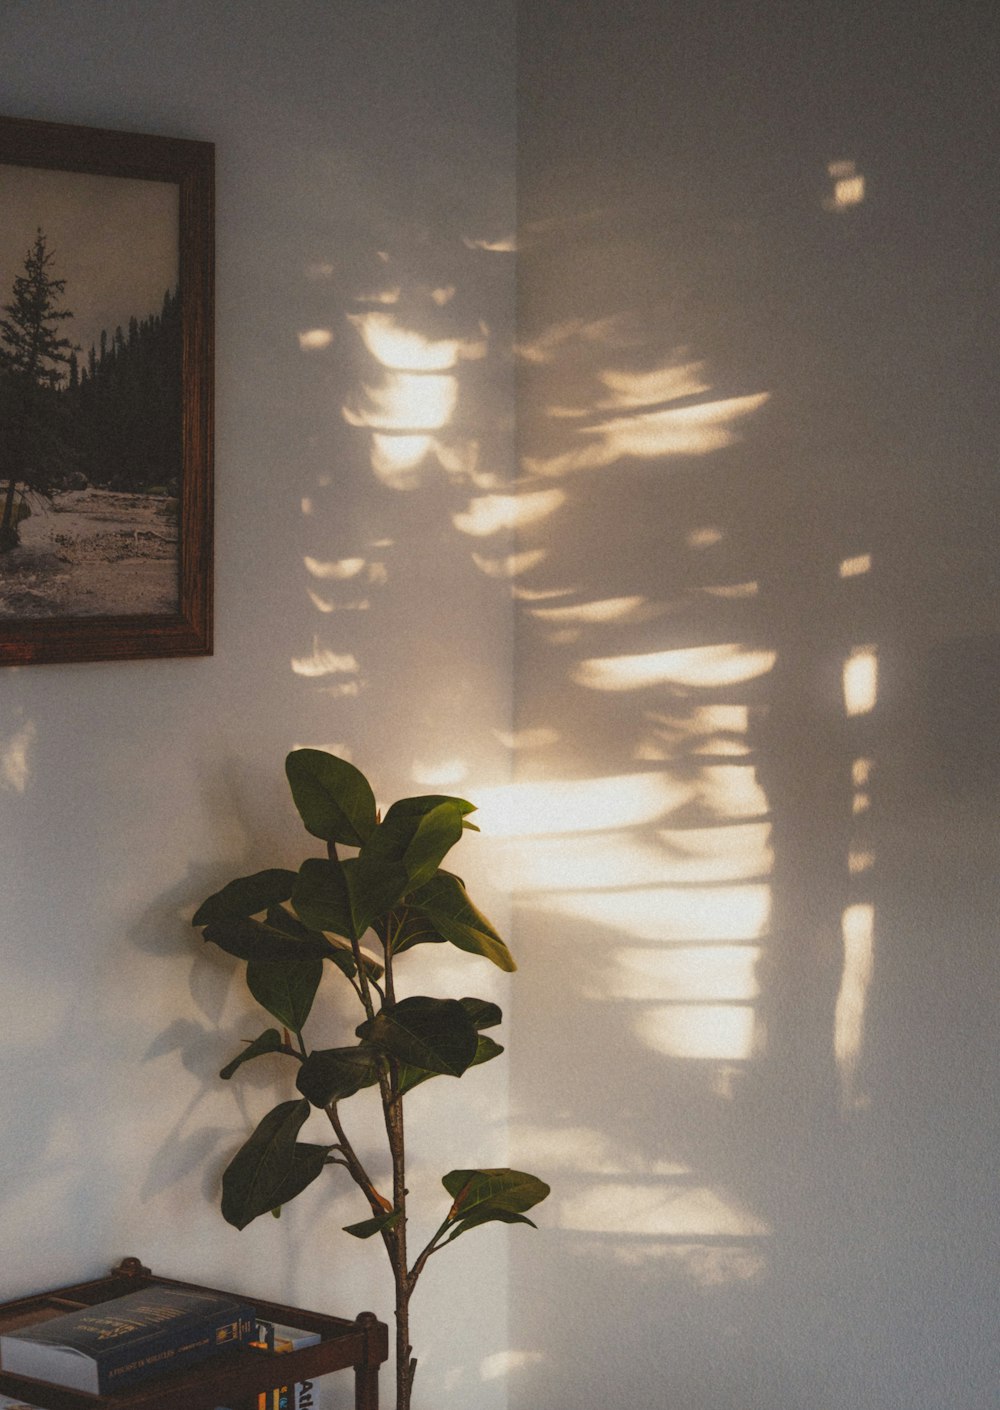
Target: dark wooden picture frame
[(184, 628)]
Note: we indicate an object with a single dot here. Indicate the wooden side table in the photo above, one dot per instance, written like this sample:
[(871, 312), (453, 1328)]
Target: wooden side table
[(234, 1378)]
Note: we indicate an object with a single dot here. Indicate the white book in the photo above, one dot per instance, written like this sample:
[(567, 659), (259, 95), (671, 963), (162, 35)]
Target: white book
[(7, 1404), (280, 1338)]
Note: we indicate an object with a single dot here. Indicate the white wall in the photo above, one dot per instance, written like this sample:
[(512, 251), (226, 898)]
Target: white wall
[(771, 1179), (756, 1038), (360, 146)]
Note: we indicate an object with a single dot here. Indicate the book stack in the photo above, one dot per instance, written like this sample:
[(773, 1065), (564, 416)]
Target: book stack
[(302, 1395), (112, 1345)]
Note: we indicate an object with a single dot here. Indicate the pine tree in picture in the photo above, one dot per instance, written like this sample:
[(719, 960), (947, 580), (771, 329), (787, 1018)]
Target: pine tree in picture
[(292, 929)]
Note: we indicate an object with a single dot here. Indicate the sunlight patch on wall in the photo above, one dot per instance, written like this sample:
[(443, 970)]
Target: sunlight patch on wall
[(15, 765), (733, 590), (609, 860), (579, 805), (706, 537), (678, 974), (406, 402), (651, 435), (704, 1032), (489, 514), (670, 914), (501, 1363), (861, 680), (608, 609), (322, 662), (648, 1211), (858, 928), (732, 791), (338, 569), (322, 604), (671, 382), (855, 567), (443, 773), (390, 294), (505, 245), (707, 667), (315, 339), (718, 731), (585, 1150), (402, 349), (510, 565), (848, 186)]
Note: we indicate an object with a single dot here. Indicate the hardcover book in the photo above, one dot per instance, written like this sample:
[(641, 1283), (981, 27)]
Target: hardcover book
[(114, 1344), (273, 1336)]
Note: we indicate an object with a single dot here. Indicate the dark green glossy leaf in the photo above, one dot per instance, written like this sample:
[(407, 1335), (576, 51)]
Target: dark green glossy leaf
[(481, 1196), (425, 803), (444, 901), (367, 1227), (418, 839), (268, 1042), (249, 939), (332, 1074), (414, 929), (247, 896), (286, 989), (270, 1168), (334, 799), (483, 1013), (434, 1034), (487, 1216), (339, 951), (410, 1077), (346, 897)]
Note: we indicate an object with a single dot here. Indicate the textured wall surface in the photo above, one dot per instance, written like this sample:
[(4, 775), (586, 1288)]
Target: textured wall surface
[(756, 685), (713, 642), (364, 151)]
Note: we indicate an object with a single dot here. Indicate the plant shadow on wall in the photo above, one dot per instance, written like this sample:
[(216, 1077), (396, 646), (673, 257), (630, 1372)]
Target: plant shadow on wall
[(416, 344), (688, 839), (695, 618)]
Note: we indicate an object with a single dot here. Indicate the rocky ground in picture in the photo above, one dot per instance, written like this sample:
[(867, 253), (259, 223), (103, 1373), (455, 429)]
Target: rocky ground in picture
[(93, 553)]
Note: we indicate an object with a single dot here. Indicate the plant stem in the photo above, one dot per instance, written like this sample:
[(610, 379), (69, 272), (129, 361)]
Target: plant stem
[(392, 1106)]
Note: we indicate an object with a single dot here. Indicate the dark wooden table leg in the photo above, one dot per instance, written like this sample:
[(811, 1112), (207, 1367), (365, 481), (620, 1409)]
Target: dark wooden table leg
[(366, 1370)]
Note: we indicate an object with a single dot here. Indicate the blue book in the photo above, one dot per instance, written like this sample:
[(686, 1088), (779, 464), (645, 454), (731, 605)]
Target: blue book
[(114, 1344)]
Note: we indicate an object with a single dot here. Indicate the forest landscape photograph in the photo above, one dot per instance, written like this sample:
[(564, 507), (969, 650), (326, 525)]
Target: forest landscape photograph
[(90, 395)]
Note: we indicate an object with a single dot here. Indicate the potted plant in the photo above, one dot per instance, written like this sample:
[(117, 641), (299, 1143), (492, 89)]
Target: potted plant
[(292, 929)]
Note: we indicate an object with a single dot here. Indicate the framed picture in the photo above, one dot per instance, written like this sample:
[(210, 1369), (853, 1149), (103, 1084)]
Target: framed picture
[(106, 379)]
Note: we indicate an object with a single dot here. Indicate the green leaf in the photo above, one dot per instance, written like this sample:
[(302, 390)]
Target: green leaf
[(339, 952), (483, 1013), (285, 989), (481, 1196), (434, 1034), (247, 896), (445, 903), (250, 939), (415, 929), (270, 1168), (268, 1042), (332, 1074), (347, 897), (367, 1227), (410, 1077), (418, 836), (425, 803), (334, 799)]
